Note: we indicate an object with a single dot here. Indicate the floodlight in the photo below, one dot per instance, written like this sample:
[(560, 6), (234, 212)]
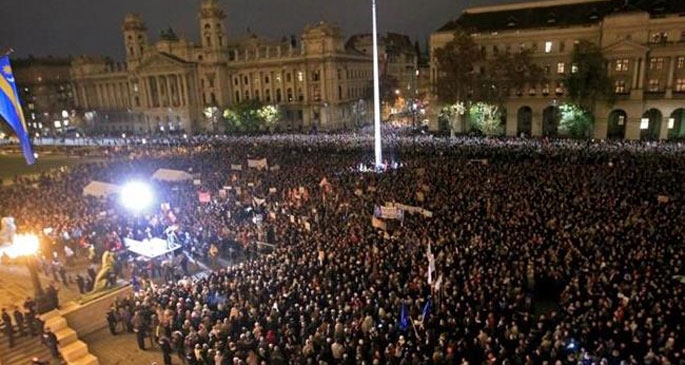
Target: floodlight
[(136, 195)]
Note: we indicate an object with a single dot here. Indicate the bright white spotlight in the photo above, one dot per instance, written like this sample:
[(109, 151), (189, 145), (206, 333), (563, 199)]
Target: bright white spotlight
[(136, 196)]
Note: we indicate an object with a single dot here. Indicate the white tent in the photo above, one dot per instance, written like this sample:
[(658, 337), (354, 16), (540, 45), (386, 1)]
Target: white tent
[(171, 175), (100, 189)]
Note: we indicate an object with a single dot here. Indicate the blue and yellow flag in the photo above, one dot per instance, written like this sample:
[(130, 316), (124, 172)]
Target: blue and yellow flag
[(10, 109)]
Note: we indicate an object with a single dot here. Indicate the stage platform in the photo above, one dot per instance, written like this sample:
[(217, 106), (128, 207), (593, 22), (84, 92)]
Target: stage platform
[(150, 248)]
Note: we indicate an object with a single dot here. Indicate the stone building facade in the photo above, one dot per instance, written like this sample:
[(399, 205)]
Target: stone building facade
[(643, 41), (177, 85), (44, 86)]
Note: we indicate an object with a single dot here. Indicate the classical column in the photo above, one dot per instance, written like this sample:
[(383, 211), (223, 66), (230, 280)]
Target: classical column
[(177, 87), (671, 68), (184, 93), (641, 77), (186, 89), (536, 123), (165, 86), (636, 73), (663, 127), (84, 97), (144, 82)]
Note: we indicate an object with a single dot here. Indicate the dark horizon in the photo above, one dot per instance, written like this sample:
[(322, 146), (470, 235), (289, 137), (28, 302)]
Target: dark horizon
[(62, 28)]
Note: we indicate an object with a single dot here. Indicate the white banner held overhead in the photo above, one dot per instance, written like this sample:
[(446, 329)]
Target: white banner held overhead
[(236, 167), (257, 164), (388, 212)]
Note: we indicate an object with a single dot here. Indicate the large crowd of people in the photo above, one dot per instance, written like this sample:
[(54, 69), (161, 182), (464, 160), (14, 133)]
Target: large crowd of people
[(507, 251)]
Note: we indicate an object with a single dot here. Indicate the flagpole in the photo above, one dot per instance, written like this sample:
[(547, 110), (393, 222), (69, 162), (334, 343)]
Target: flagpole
[(376, 94)]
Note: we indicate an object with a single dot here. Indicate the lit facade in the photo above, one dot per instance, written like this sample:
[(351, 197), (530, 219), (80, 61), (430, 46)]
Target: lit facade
[(643, 41), (44, 87), (177, 85)]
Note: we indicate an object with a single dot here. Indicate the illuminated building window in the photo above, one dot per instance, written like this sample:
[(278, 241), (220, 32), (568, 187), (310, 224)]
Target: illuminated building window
[(622, 64), (680, 85), (561, 68), (654, 85), (656, 63)]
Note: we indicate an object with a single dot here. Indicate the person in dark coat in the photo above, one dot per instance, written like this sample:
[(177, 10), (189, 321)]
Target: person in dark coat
[(165, 345), (112, 321), (50, 341), (81, 283), (7, 326), (19, 320)]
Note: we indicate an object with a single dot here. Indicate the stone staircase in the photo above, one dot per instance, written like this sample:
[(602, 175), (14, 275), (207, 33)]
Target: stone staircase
[(73, 350), (25, 348)]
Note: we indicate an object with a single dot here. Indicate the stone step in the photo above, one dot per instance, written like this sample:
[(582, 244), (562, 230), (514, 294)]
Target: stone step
[(74, 351), (85, 360), (51, 314), (25, 348), (56, 324), (66, 336)]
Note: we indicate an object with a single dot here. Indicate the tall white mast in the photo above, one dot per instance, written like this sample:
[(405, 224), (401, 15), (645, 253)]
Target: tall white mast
[(376, 93)]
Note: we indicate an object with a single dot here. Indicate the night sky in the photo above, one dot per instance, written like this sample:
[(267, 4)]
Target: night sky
[(74, 27)]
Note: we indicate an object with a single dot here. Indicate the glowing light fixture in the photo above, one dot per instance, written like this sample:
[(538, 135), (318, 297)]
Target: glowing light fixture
[(136, 196)]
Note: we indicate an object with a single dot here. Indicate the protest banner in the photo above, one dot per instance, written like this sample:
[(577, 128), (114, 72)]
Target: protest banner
[(378, 223), (204, 197), (260, 164)]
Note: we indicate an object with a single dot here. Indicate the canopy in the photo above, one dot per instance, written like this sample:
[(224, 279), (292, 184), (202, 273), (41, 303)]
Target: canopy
[(100, 189), (171, 175)]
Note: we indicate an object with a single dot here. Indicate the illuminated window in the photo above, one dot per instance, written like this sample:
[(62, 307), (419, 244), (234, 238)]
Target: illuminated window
[(654, 85), (300, 76), (621, 120), (278, 78), (656, 63), (644, 123), (622, 64), (561, 68), (681, 62), (620, 87), (574, 68), (671, 123), (548, 47), (680, 85), (659, 37)]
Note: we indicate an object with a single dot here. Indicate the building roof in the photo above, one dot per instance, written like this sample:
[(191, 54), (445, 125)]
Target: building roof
[(557, 13)]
